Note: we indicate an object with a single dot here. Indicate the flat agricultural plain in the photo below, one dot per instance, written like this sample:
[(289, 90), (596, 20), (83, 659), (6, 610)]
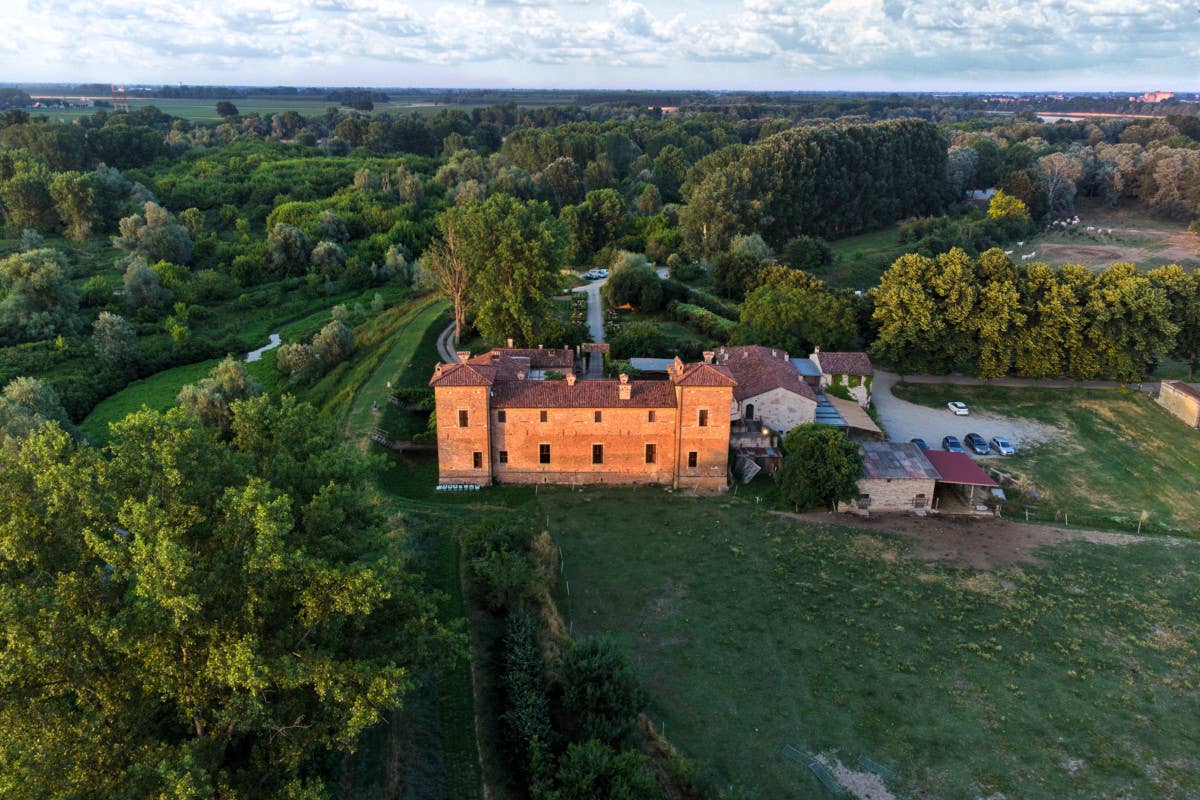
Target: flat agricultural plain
[(1065, 671)]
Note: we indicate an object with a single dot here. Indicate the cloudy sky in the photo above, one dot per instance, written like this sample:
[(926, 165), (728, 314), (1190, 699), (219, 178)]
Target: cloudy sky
[(720, 44)]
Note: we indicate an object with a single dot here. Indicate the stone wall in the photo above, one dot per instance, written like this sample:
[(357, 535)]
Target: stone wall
[(780, 409), (1179, 403), (894, 494)]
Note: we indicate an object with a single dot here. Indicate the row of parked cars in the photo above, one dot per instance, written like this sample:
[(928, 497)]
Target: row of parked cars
[(973, 442), (595, 274)]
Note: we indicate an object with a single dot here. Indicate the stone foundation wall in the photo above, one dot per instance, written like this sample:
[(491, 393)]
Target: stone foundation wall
[(1182, 405)]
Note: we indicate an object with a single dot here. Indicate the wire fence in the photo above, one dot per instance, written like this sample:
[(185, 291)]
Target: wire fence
[(1137, 522)]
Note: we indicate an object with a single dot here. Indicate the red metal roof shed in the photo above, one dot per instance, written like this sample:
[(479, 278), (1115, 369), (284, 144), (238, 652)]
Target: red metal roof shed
[(958, 468)]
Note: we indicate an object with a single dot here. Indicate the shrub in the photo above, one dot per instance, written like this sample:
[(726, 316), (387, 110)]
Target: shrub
[(526, 707), (498, 567), (602, 692), (640, 339), (703, 321), (637, 286), (807, 253)]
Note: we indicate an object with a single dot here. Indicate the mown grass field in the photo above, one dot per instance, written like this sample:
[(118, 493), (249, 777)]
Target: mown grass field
[(1118, 454), (402, 361), (860, 260), (1075, 677)]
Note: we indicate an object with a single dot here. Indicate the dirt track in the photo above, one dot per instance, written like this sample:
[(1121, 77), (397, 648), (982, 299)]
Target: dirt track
[(980, 543)]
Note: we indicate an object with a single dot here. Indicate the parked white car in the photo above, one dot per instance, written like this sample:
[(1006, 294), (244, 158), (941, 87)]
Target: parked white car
[(958, 407)]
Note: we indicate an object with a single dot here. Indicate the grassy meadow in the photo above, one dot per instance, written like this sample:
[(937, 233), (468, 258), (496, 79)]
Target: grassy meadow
[(1075, 677), (860, 260), (1118, 454)]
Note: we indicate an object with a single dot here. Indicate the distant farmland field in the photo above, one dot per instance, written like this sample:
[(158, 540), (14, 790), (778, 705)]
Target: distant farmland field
[(206, 110)]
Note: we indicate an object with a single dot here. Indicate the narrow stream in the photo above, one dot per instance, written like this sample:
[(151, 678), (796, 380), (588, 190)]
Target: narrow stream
[(273, 342)]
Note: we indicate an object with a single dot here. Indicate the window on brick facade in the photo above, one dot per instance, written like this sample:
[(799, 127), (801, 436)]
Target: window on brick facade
[(462, 418), (502, 456), (543, 452), (597, 454), (703, 418), (692, 458), (477, 459), (651, 454), (649, 416), (501, 416), (599, 416), (545, 416)]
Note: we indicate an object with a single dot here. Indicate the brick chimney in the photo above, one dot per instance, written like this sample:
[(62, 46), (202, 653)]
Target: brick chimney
[(708, 356), (508, 343), (571, 379), (625, 388), (463, 356)]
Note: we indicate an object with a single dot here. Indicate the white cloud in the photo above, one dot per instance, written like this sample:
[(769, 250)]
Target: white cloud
[(549, 39)]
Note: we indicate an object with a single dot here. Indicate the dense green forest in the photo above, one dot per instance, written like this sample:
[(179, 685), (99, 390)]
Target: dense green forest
[(211, 599)]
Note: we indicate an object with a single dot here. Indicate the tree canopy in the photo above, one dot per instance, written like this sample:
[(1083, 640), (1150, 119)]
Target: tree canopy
[(193, 614)]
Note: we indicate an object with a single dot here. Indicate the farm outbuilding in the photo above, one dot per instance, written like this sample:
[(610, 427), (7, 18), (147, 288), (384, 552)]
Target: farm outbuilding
[(962, 486), (896, 477)]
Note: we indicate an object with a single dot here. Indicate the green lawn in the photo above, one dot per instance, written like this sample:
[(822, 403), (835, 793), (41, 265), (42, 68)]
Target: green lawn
[(388, 348), (159, 391), (862, 259), (1072, 678), (1118, 454)]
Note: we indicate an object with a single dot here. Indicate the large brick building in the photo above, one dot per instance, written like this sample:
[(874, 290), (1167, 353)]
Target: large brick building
[(500, 420)]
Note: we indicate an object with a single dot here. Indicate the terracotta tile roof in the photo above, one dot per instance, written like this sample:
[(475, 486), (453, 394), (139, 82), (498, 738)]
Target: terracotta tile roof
[(1190, 389), (896, 460), (958, 468), (595, 347), (539, 358), (463, 375), (760, 369), (701, 375), (584, 394), (842, 363)]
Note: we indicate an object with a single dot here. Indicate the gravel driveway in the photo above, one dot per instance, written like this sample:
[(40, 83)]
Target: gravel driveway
[(595, 308), (902, 420)]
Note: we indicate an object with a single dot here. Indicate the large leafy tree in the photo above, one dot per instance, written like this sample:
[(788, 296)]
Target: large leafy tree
[(1182, 290), (513, 251), (154, 235), (37, 299), (820, 468), (26, 404), (190, 614), (793, 311)]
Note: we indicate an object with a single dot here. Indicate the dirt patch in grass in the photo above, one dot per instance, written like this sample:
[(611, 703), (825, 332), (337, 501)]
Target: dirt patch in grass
[(1118, 235), (979, 543)]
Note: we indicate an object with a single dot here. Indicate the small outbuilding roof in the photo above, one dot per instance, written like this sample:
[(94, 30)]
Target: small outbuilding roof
[(958, 468), (854, 415), (831, 363), (896, 460)]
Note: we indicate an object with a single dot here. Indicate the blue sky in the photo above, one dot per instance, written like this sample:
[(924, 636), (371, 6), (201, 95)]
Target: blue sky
[(1098, 45)]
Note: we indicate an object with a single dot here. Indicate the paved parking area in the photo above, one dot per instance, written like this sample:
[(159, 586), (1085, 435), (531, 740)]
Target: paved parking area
[(902, 420)]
